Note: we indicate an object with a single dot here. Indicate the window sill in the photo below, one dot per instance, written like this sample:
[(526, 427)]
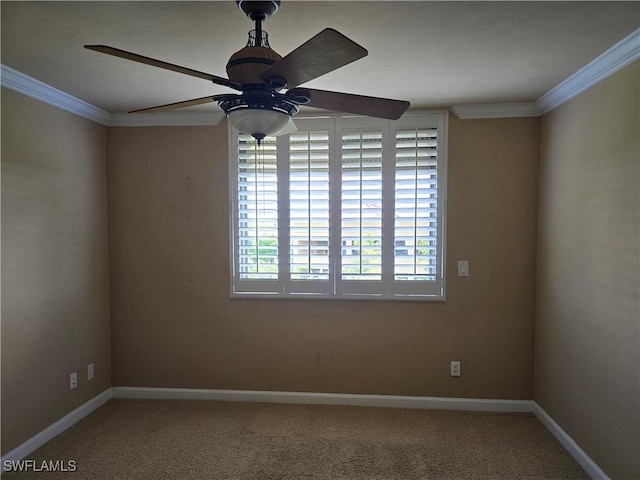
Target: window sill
[(315, 296)]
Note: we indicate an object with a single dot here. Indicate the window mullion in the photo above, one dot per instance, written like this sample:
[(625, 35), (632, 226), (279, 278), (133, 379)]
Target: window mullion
[(233, 200), (282, 150), (388, 201), (415, 206), (256, 206), (309, 216), (360, 242), (441, 215), (335, 199)]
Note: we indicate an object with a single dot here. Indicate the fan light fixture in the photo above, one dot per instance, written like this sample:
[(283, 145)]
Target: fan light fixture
[(260, 115), (259, 123)]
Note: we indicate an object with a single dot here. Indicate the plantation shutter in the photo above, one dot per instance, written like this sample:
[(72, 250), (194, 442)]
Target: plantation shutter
[(416, 206), (257, 215), (309, 258), (361, 207), (345, 207), (417, 261)]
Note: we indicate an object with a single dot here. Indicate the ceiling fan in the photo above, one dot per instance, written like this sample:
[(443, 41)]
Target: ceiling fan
[(270, 84)]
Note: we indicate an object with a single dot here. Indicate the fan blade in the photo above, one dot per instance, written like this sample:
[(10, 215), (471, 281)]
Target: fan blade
[(160, 64), (173, 106), (324, 53), (350, 103)]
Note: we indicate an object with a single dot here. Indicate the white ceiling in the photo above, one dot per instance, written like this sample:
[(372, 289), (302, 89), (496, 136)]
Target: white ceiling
[(434, 54)]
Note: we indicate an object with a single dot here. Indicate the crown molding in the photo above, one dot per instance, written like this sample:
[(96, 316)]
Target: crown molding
[(495, 110), (22, 83), (166, 119), (33, 88), (617, 57)]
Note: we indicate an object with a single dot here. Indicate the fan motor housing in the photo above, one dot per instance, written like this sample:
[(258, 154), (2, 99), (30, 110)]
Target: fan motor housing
[(246, 65)]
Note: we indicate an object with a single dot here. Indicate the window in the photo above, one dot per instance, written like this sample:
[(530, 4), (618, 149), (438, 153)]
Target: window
[(344, 207)]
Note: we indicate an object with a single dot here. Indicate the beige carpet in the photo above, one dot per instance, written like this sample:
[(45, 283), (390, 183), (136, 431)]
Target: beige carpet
[(155, 439)]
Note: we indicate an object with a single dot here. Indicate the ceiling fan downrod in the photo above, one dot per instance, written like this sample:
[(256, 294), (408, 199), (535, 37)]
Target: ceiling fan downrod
[(258, 12)]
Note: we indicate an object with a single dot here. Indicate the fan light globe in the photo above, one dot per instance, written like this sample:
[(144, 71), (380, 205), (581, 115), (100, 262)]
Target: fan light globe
[(258, 123)]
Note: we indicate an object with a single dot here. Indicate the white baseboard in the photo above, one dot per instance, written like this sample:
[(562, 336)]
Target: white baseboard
[(394, 401), (57, 428), (569, 444)]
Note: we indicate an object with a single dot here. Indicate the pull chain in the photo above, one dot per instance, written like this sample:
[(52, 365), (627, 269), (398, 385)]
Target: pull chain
[(261, 170)]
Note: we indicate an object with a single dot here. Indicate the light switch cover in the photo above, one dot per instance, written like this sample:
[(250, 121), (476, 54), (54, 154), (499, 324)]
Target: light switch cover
[(463, 268)]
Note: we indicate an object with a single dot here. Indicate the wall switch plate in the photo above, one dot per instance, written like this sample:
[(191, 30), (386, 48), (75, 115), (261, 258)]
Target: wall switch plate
[(455, 369), (73, 380), (90, 371), (463, 268)]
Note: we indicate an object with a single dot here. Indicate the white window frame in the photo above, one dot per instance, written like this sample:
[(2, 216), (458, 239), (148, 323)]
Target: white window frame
[(335, 288)]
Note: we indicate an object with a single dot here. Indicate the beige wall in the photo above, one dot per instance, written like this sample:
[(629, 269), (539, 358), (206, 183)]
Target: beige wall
[(174, 325), (587, 368), (55, 298)]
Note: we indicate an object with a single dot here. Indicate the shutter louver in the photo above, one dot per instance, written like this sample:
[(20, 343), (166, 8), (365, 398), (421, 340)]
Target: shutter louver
[(257, 212), (309, 206), (361, 205), (415, 220)]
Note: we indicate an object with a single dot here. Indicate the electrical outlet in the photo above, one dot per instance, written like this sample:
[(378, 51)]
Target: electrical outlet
[(73, 380), (90, 371), (455, 369)]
